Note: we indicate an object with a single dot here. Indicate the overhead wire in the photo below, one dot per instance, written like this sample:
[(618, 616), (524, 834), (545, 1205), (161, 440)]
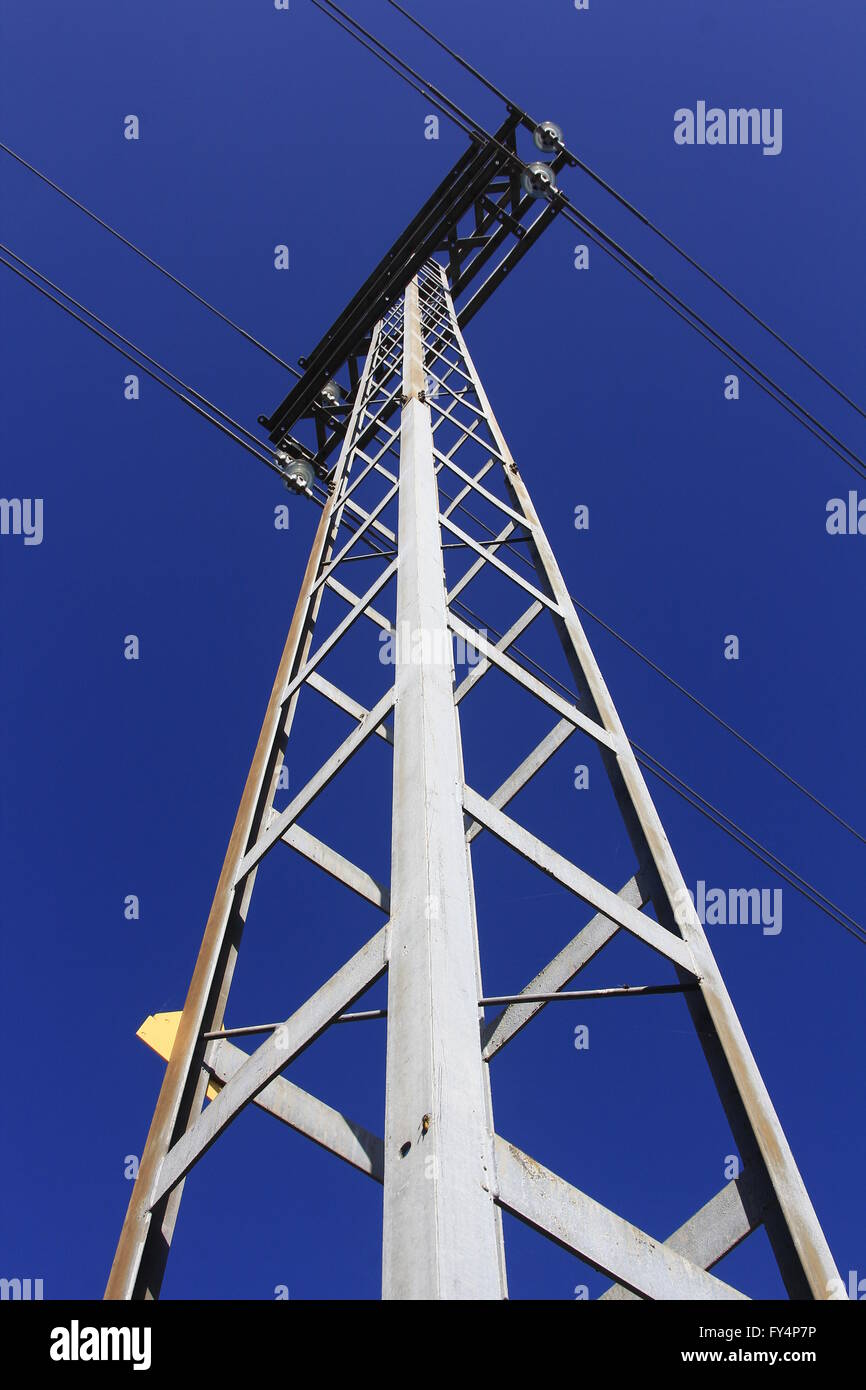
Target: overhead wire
[(508, 544), (128, 354), (677, 685), (723, 345), (344, 20), (723, 723), (203, 400), (618, 253), (749, 843), (722, 821), (194, 397), (705, 807), (636, 212), (149, 259), (514, 648), (607, 244)]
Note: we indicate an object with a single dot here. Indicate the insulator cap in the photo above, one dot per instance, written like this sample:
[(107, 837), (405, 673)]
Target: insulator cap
[(538, 181), (298, 474), (548, 137)]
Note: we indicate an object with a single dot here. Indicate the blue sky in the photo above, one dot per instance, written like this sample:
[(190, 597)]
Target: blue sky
[(707, 518)]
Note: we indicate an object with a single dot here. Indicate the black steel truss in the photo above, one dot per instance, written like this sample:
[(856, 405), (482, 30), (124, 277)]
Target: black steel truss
[(480, 219)]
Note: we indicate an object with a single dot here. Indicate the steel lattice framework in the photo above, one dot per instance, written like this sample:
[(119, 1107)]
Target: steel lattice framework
[(420, 444)]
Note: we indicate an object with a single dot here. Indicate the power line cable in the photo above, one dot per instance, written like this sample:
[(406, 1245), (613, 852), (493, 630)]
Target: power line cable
[(716, 339), (203, 400), (127, 353), (723, 723), (644, 275), (271, 464), (335, 19), (754, 847), (143, 254), (642, 217), (480, 626), (606, 243), (725, 823), (683, 690)]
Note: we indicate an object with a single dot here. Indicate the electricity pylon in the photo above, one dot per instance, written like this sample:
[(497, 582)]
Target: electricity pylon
[(447, 1174)]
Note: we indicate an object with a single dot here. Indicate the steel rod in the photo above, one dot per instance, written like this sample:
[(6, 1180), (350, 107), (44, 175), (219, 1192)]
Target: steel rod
[(253, 1029), (584, 994)]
